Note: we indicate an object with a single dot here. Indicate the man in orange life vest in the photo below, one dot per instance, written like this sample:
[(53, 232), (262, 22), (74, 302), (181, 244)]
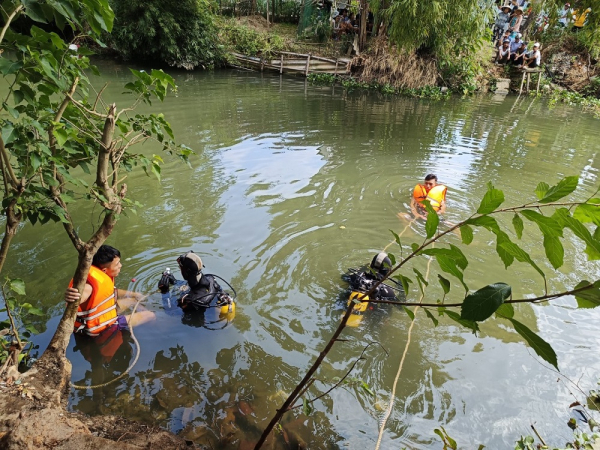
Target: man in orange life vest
[(98, 303), (432, 191)]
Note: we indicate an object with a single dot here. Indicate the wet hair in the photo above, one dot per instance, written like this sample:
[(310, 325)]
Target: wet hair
[(105, 255), (431, 177)]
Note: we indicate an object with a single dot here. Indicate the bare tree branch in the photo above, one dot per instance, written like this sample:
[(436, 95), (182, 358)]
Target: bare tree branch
[(360, 358), (9, 19), (4, 154)]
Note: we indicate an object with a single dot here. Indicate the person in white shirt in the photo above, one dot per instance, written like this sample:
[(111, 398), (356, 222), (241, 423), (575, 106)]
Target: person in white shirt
[(534, 58), (564, 15)]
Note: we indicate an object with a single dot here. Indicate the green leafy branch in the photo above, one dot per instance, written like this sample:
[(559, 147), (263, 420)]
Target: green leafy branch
[(496, 298)]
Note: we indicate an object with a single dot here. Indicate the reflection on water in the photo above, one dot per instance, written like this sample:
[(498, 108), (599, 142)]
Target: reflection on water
[(292, 185)]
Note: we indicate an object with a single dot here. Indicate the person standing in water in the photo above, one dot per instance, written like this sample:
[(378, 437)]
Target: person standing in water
[(98, 303), (433, 192)]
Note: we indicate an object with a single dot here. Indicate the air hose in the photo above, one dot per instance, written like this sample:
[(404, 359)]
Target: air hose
[(388, 411), (135, 360)]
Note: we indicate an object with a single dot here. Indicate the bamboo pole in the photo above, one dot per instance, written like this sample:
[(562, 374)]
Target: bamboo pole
[(307, 65), (522, 82)]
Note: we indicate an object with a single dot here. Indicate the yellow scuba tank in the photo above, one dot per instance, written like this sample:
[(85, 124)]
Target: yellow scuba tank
[(227, 311), (358, 309)]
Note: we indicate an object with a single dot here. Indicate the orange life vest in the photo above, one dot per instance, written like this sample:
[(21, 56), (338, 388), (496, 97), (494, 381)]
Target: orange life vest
[(99, 311), (436, 195)]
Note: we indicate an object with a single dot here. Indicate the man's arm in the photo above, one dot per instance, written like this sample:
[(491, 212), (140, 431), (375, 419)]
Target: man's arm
[(442, 207), (73, 295), (413, 208), (123, 294)]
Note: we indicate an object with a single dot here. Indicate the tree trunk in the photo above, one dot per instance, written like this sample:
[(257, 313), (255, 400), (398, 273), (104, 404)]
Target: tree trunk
[(53, 359), (12, 225), (364, 18)]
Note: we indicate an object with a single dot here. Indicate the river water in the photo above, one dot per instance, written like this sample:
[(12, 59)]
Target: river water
[(292, 185)]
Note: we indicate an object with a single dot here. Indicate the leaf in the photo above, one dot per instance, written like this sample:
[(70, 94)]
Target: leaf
[(554, 251), (36, 161), (8, 133), (466, 234), (588, 212), (564, 218), (521, 255), (562, 189), (465, 323), (433, 220), (492, 199), (547, 225), (445, 283), (396, 238), (35, 311), (449, 266), (590, 298), (365, 387), (306, 407), (453, 253), (392, 260), (61, 136), (541, 189), (409, 312), (451, 442), (421, 280), (506, 311), (540, 346), (31, 329), (8, 67), (12, 111), (518, 224), (156, 170), (34, 11), (481, 304), (405, 282), (18, 96), (431, 316), (17, 286), (490, 224)]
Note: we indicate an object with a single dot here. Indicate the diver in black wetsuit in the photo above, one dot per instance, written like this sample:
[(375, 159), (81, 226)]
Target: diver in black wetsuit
[(364, 280), (202, 290)]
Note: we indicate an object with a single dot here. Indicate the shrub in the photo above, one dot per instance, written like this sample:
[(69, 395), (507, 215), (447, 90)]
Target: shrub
[(180, 33), (249, 41)]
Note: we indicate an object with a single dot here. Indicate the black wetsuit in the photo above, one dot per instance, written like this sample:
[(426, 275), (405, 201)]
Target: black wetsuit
[(200, 297), (363, 281)]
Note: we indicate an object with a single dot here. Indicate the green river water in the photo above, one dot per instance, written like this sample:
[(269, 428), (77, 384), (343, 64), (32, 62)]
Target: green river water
[(292, 185)]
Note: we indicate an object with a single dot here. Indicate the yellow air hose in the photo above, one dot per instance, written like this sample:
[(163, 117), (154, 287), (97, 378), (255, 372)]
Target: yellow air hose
[(388, 411)]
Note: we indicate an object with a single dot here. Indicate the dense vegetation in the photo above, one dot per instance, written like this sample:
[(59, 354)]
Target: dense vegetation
[(180, 33)]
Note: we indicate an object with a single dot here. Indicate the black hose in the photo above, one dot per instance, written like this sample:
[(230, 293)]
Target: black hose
[(226, 282)]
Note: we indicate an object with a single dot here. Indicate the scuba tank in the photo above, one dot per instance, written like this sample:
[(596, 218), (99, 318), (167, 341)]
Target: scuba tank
[(362, 282)]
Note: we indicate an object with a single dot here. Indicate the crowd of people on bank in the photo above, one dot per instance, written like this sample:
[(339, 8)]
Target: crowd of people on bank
[(516, 51), (511, 49)]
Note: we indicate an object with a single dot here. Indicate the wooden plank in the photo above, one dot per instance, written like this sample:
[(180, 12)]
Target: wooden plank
[(296, 54), (323, 59)]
